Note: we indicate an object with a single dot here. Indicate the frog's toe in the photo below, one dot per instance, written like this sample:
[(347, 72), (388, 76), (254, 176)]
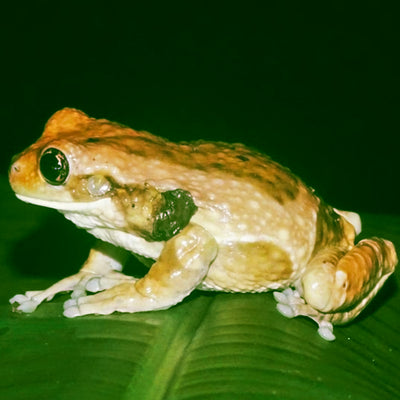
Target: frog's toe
[(280, 298), (94, 285), (288, 296), (325, 330), (28, 306), (26, 303), (18, 298), (289, 302), (70, 303), (99, 283), (78, 292), (286, 310), (72, 311)]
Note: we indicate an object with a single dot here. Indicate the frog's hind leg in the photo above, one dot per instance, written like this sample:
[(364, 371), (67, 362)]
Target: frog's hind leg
[(182, 265), (338, 284)]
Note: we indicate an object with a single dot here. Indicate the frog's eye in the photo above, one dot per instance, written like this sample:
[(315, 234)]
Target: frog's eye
[(54, 166)]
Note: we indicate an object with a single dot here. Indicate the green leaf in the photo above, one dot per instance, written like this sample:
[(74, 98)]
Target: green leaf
[(211, 346)]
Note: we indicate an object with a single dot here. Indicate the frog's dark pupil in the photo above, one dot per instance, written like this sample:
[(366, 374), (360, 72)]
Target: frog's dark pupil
[(54, 166)]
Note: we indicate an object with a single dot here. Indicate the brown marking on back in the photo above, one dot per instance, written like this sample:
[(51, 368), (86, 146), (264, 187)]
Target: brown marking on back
[(239, 161), (138, 152), (218, 166), (332, 229), (242, 158)]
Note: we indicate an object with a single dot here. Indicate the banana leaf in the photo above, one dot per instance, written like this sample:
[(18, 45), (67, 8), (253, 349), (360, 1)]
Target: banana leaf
[(211, 346)]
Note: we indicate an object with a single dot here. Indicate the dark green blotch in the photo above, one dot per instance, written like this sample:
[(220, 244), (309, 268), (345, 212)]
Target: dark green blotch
[(174, 215)]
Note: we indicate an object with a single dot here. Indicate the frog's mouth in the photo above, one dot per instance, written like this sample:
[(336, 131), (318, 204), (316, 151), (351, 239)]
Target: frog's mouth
[(66, 205)]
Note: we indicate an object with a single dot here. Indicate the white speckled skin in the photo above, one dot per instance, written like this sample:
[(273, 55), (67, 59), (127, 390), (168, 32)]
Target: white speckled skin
[(256, 226)]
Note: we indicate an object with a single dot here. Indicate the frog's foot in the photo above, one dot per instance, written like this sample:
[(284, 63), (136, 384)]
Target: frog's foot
[(79, 283), (98, 273), (29, 301), (290, 304)]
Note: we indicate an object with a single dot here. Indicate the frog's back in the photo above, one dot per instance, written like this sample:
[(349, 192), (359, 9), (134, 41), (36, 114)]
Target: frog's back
[(240, 162)]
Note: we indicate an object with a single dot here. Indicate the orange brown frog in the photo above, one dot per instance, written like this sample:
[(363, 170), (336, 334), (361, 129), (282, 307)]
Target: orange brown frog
[(213, 216)]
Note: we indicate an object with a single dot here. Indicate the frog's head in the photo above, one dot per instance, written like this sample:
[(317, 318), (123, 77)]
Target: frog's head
[(76, 160), (50, 171)]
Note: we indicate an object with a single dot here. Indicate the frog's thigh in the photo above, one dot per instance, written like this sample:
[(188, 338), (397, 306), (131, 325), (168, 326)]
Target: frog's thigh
[(340, 284), (182, 265)]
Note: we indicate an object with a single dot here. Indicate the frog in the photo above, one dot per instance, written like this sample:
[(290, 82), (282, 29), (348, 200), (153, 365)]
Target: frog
[(208, 215)]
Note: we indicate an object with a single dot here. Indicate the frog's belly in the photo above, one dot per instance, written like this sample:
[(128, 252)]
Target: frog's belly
[(250, 267)]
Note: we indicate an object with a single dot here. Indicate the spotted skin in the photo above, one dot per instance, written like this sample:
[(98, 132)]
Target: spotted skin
[(212, 216)]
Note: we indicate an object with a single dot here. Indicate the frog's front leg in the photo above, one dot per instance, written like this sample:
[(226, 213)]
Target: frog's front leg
[(99, 272), (182, 265), (339, 283)]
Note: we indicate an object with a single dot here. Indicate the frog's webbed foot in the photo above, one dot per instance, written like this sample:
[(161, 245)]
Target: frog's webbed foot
[(97, 274), (290, 304), (79, 283), (182, 265)]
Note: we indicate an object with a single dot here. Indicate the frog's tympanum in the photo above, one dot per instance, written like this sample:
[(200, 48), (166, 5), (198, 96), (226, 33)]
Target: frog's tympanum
[(213, 216)]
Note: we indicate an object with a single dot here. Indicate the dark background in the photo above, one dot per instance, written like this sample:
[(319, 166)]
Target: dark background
[(314, 86)]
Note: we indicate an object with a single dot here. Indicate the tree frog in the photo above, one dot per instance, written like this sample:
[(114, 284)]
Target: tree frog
[(212, 216)]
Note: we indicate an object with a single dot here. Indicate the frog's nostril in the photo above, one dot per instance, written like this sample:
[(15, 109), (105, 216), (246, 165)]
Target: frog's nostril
[(14, 159), (13, 169), (15, 166)]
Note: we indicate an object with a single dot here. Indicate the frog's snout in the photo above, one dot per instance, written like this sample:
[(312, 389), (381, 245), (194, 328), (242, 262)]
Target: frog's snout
[(14, 170)]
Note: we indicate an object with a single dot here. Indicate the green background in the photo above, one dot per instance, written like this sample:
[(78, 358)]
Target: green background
[(314, 86), (212, 346)]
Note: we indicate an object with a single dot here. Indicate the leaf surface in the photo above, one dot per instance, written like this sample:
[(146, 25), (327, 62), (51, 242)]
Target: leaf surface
[(211, 346)]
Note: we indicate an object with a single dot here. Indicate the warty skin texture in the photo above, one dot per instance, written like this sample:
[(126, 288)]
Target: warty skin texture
[(232, 220)]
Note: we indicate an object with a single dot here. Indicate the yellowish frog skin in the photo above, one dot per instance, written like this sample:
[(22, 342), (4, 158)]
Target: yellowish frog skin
[(213, 216)]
